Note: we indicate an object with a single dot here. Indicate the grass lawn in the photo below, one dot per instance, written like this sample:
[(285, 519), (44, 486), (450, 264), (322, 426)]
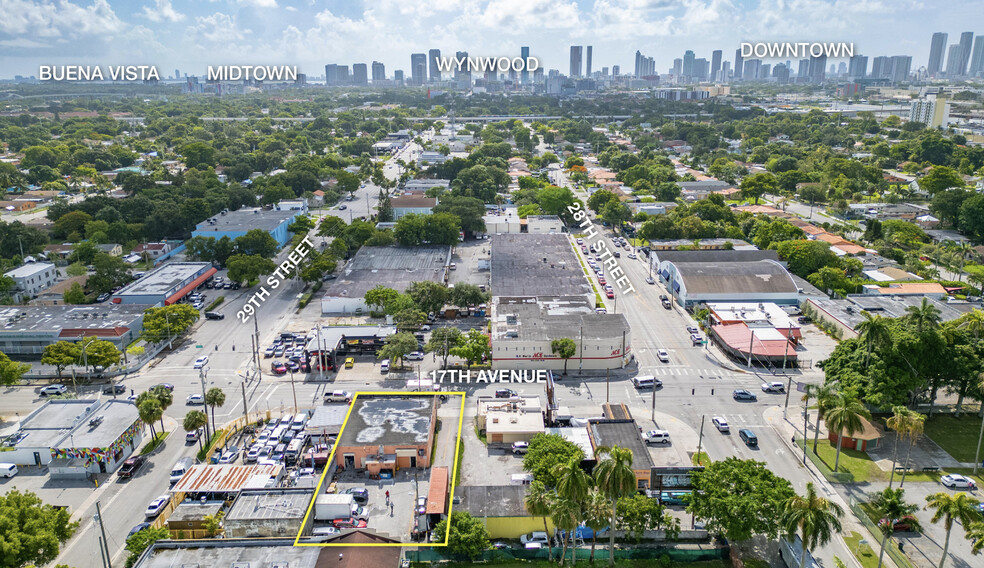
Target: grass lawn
[(157, 441), (701, 459), (863, 552), (958, 436), (855, 466)]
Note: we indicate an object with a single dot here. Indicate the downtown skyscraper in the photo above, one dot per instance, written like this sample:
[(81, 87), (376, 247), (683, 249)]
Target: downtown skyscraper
[(418, 68), (937, 50), (434, 57), (576, 51)]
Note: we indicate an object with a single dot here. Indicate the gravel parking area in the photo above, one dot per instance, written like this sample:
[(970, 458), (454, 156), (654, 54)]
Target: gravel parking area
[(396, 521)]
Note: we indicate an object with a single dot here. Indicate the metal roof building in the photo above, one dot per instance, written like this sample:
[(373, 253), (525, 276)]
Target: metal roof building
[(165, 285), (700, 282), (224, 478)]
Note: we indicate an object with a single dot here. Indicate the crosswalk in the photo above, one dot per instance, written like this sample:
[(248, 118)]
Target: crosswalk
[(709, 373)]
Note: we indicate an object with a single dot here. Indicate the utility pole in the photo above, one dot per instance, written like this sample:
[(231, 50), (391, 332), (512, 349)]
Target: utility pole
[(789, 386), (167, 322), (256, 348), (102, 553), (580, 353), (245, 411), (653, 416), (700, 437), (608, 386), (202, 373), (102, 529), (624, 362), (321, 356), (292, 389)]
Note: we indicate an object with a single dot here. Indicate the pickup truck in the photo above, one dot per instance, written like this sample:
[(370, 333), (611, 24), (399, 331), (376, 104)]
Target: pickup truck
[(130, 466)]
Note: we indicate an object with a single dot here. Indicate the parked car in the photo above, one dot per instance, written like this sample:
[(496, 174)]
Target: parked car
[(166, 386), (156, 506), (742, 394), (721, 424), (253, 454), (130, 466), (415, 356), (956, 481), (201, 361), (195, 400), (338, 396), (505, 393), (907, 523), (520, 447), (102, 298), (359, 494), (349, 362), (192, 437), (278, 368), (349, 523), (656, 437), (137, 528), (230, 455), (421, 506), (804, 319), (539, 537), (649, 280), (52, 390), (269, 352), (117, 388)]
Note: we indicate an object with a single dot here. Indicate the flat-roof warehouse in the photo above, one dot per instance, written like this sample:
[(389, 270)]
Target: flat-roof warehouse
[(165, 285), (27, 330), (392, 266), (527, 265)]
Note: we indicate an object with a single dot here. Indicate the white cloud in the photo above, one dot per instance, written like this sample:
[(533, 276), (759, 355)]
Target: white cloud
[(260, 3), (290, 8), (22, 42), (164, 12), (219, 28), (61, 18)]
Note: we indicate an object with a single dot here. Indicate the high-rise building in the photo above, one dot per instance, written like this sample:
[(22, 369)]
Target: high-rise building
[(616, 70), (833, 70), (722, 75), (936, 52), (701, 66), (901, 65), (644, 66), (715, 64), (750, 71), (331, 74), (576, 51), (461, 73), (953, 59), (177, 74), (587, 63), (418, 68), (765, 71), (398, 76), (378, 71), (842, 68), (803, 70), (343, 75), (739, 63), (818, 66), (360, 74), (688, 64), (781, 73), (977, 61), (858, 67), (434, 57), (878, 67), (524, 77), (677, 68), (966, 45), (931, 110)]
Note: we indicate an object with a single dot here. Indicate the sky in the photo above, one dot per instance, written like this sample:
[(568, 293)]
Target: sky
[(191, 34)]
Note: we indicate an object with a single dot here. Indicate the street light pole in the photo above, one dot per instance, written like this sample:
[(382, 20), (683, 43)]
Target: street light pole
[(102, 529), (202, 373), (292, 389)]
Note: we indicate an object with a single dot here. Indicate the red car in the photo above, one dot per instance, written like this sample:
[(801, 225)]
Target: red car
[(610, 294), (349, 523), (602, 281), (278, 368)]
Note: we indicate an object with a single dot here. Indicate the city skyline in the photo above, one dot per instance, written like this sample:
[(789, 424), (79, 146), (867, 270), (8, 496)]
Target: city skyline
[(189, 36)]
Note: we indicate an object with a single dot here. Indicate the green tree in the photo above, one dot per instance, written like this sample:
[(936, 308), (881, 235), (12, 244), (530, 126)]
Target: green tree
[(385, 214), (247, 268), (565, 348), (214, 397), (466, 295), (474, 346), (815, 518), (429, 296), (213, 523), (380, 296), (164, 397), (875, 333), (638, 513), (739, 498), (615, 479), (98, 353), (565, 514), (258, 242), (33, 530), (615, 214), (150, 410), (545, 453), (442, 341), (110, 272), (469, 211), (198, 155), (975, 534), (600, 199), (595, 517), (409, 318), (901, 422), (397, 346), (168, 322), (925, 316), (194, 420), (539, 503), (76, 269), (75, 294), (11, 371), (948, 508), (805, 257), (940, 178), (141, 540), (757, 185), (466, 535), (845, 416), (889, 506), (828, 279), (61, 354)]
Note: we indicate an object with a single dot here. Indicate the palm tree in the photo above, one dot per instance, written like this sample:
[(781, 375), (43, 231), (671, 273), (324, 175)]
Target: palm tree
[(825, 395), (595, 517), (565, 514), (890, 505), (572, 482), (816, 518), (901, 422), (538, 502), (949, 508), (193, 421), (913, 431), (975, 534), (845, 417), (615, 479), (924, 316), (214, 397), (164, 397), (150, 411), (973, 322), (874, 332)]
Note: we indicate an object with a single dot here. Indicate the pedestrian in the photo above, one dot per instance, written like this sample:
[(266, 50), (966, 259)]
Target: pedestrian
[(391, 509)]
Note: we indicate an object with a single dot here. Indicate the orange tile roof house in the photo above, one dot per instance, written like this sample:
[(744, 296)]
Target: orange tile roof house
[(933, 290)]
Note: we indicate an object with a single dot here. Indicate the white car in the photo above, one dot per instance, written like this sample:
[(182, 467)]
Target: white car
[(254, 453), (721, 424), (955, 481), (195, 399), (632, 255), (53, 390), (663, 356), (156, 506), (538, 537), (415, 356), (201, 361)]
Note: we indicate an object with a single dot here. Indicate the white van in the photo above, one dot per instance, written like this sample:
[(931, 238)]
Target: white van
[(644, 382), (8, 470), (384, 366), (179, 469), (298, 423)]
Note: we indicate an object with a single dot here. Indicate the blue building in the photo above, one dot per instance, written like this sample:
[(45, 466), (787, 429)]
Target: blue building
[(235, 224)]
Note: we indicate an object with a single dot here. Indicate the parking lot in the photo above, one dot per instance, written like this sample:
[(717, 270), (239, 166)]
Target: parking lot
[(396, 521), (466, 258)]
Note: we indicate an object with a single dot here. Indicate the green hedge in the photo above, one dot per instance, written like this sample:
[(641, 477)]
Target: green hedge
[(218, 302), (206, 450), (305, 299)]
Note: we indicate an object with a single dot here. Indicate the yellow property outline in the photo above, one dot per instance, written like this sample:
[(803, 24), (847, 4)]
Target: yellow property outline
[(331, 458)]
